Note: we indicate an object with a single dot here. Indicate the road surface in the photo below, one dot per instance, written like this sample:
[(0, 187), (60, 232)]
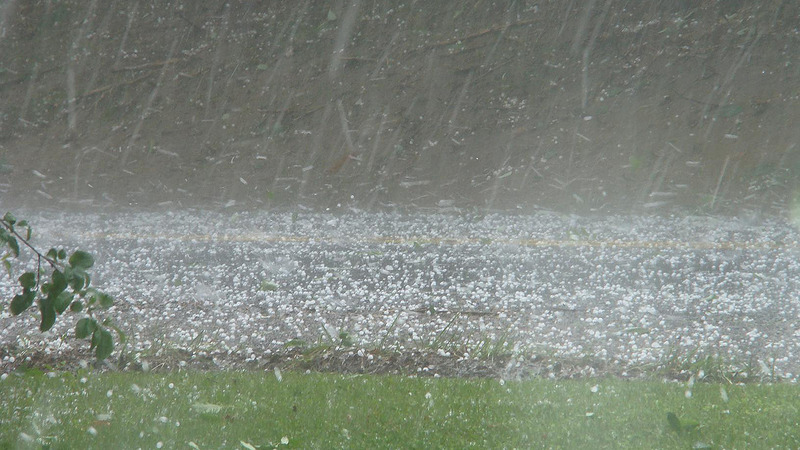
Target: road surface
[(623, 290)]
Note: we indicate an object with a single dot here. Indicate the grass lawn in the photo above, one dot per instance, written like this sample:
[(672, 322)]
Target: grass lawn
[(256, 410)]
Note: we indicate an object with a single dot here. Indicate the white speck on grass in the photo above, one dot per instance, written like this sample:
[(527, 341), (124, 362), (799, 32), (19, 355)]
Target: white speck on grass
[(110, 393), (688, 393), (594, 389), (92, 431), (159, 444), (285, 440), (278, 375), (723, 393)]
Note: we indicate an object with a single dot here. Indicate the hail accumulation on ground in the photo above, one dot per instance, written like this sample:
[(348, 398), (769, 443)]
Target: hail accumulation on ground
[(625, 290)]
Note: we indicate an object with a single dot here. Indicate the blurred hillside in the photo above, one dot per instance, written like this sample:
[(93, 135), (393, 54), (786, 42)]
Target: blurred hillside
[(595, 105)]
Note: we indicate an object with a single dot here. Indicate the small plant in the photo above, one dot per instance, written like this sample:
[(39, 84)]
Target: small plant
[(680, 427), (67, 288), (686, 429), (344, 338)]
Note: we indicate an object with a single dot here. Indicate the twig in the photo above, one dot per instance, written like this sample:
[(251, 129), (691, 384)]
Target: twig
[(299, 114), (116, 85), (39, 254), (148, 65), (27, 76), (463, 312), (337, 166), (494, 29), (699, 102), (357, 59)]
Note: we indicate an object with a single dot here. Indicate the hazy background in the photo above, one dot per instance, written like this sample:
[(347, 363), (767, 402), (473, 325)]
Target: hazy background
[(685, 106)]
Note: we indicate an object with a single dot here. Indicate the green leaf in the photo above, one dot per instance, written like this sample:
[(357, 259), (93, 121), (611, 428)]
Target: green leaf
[(295, 343), (62, 254), (106, 301), (52, 253), (32, 372), (268, 286), (62, 301), (690, 426), (637, 330), (58, 283), (27, 280), (76, 277), (76, 306), (674, 422), (103, 342), (48, 311), (23, 223), (85, 327), (13, 245), (21, 302), (81, 259), (9, 218), (7, 265)]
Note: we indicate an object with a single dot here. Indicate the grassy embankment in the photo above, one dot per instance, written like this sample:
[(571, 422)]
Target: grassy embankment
[(257, 410)]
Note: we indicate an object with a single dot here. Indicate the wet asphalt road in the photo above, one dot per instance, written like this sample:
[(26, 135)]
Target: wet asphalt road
[(629, 291)]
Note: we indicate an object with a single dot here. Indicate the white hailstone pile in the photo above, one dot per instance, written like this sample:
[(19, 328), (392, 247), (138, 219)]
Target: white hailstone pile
[(627, 290)]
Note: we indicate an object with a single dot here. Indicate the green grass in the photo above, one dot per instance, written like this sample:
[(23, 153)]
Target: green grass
[(241, 409)]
